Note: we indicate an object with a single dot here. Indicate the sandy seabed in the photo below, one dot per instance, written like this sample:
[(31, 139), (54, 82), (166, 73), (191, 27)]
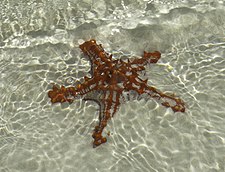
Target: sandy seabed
[(39, 46)]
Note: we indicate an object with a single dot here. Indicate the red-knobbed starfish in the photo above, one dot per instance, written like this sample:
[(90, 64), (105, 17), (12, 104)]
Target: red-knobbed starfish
[(112, 77)]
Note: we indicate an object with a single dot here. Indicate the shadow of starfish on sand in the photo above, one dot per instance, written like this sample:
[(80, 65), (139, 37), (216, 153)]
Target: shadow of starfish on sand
[(112, 77)]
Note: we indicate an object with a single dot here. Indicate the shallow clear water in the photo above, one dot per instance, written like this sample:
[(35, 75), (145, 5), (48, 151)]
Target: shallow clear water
[(39, 45)]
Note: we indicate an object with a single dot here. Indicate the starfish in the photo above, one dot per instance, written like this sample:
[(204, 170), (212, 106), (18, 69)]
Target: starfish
[(111, 78)]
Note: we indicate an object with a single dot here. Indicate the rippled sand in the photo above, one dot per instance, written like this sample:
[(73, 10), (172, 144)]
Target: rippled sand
[(39, 46)]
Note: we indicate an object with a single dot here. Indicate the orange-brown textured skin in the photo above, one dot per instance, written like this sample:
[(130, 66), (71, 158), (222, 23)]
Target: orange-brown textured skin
[(112, 77)]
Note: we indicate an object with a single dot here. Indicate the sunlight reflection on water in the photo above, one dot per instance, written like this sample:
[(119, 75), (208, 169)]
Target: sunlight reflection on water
[(39, 46)]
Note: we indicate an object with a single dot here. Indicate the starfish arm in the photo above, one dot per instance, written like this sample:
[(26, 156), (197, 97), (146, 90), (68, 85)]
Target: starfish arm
[(66, 94), (61, 94), (95, 52), (135, 83), (117, 102), (140, 86), (103, 118), (176, 104), (110, 108), (87, 86), (151, 57)]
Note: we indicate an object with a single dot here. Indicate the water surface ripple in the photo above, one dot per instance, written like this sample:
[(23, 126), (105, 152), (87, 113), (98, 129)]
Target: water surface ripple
[(39, 46)]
